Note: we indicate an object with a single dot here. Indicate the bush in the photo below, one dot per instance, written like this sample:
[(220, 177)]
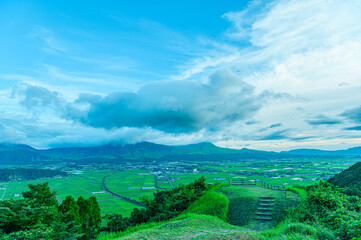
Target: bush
[(212, 203), (300, 228), (325, 205)]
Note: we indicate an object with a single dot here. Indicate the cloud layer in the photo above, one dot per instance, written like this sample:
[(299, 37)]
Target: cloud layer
[(169, 106)]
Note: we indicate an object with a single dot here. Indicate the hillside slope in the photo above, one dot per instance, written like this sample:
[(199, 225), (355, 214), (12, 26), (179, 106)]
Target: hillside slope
[(20, 157), (349, 180), (135, 151)]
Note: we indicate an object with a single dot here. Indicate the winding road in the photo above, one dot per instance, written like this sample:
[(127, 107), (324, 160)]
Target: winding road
[(104, 187)]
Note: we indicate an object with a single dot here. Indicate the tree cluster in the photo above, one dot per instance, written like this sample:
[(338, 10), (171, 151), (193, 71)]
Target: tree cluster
[(28, 174), (38, 216)]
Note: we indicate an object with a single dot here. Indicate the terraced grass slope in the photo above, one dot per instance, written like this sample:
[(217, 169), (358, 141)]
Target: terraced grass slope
[(256, 208)]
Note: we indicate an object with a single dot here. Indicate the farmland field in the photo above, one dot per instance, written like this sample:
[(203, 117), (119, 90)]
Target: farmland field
[(76, 185), (131, 184), (142, 179)]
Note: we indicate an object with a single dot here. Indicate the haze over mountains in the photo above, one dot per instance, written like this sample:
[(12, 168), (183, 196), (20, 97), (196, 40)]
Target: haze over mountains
[(24, 154)]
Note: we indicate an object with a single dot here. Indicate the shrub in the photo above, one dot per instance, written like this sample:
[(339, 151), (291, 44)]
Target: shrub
[(211, 203)]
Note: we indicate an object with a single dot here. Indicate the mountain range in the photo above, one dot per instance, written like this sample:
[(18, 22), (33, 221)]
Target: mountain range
[(355, 151), (24, 154)]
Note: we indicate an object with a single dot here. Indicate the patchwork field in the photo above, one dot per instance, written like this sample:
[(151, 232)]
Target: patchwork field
[(131, 184), (142, 179)]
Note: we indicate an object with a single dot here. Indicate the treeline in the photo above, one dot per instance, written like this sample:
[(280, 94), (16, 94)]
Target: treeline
[(38, 216), (28, 174), (349, 180)]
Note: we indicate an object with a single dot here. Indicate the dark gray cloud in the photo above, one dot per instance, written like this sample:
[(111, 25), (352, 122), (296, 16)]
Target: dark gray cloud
[(353, 114), (275, 125), (252, 122), (169, 106), (323, 120), (283, 134), (278, 135), (355, 128)]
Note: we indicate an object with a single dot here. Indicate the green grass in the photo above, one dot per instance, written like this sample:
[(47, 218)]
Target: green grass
[(242, 205), (194, 226), (298, 231), (212, 203), (302, 193), (186, 226)]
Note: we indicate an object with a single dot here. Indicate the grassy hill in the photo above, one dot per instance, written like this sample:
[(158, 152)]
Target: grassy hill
[(204, 227), (212, 217), (317, 217)]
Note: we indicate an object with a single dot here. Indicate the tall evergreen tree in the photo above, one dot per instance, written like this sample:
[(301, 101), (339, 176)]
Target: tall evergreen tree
[(69, 213), (90, 217), (42, 201), (95, 216)]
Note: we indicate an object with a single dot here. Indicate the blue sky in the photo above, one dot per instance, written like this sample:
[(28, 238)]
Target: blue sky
[(270, 75)]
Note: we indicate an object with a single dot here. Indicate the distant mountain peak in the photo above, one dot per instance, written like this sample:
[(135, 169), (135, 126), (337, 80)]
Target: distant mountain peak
[(205, 144), (14, 147)]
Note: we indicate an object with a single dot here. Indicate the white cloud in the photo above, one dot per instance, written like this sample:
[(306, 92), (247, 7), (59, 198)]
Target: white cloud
[(310, 49)]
